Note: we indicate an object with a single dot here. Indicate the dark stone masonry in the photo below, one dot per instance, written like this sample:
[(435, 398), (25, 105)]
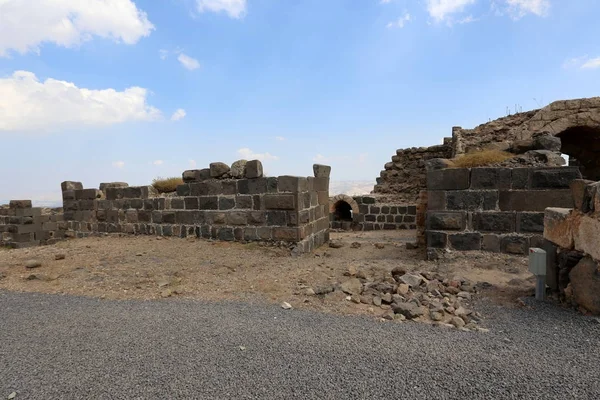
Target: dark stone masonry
[(211, 203)]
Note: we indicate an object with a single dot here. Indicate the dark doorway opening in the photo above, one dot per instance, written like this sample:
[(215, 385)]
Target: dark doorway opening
[(582, 144), (343, 211)]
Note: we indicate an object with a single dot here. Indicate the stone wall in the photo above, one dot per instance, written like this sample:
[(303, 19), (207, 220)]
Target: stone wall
[(493, 209), (371, 214), (22, 225), (406, 175), (573, 247), (575, 122), (232, 204)]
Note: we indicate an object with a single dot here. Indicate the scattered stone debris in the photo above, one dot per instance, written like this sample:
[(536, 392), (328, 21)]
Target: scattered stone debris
[(423, 297), (33, 264), (336, 244), (59, 256), (286, 306), (412, 245), (379, 246), (352, 271), (355, 245), (166, 293)]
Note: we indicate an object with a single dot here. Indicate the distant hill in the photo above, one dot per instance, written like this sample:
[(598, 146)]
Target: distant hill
[(350, 188)]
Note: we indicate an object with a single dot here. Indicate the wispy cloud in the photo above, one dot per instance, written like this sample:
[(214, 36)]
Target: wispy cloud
[(178, 115), (192, 163), (520, 8), (188, 62), (163, 54), (583, 62), (401, 22), (233, 8), (279, 138), (592, 64), (118, 164), (158, 162), (248, 154), (442, 10)]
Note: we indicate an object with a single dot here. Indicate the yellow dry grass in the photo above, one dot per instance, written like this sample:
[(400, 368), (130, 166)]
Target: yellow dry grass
[(167, 185), (481, 158)]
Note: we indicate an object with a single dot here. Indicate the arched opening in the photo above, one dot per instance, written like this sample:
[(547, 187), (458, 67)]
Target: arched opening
[(342, 211), (582, 145)]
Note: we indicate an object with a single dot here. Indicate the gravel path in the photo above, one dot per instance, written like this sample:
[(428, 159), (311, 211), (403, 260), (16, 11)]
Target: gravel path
[(63, 347)]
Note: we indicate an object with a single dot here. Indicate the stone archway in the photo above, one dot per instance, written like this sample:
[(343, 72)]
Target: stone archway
[(343, 208), (582, 144)]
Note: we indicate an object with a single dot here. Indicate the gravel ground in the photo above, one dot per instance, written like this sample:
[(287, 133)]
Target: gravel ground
[(68, 347)]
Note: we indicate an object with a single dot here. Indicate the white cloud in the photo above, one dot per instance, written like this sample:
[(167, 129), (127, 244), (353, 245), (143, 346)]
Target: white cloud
[(188, 62), (519, 8), (320, 158), (279, 138), (248, 154), (591, 64), (441, 10), (118, 164), (401, 22), (28, 104), (466, 20), (24, 26), (385, 1), (192, 163), (163, 54), (158, 162), (234, 8), (179, 114), (583, 62)]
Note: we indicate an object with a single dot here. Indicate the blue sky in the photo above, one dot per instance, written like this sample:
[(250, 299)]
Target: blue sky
[(127, 90)]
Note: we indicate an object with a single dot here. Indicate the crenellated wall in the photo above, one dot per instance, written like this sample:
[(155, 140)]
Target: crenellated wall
[(22, 225)]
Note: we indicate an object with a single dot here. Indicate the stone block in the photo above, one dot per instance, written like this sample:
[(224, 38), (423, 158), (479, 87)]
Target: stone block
[(547, 142), (183, 190), (177, 203), (448, 179), (28, 212), (280, 202), (237, 218), (19, 204), (250, 234), (494, 221), (491, 243), (289, 184), (277, 218), (257, 202), (465, 241), (558, 227), (188, 217), (520, 178), (254, 169), (323, 198), (229, 187), (191, 203), (144, 216), (586, 234), (514, 244), (321, 184), (585, 282), (87, 205), (375, 210), (438, 240), (195, 175), (411, 210), (272, 183), (530, 222), (159, 204), (106, 185), (68, 195), (243, 202), (168, 217), (471, 200), (208, 203), (226, 203), (554, 178), (138, 204), (265, 233), (446, 220), (256, 186), (131, 216), (534, 200), (218, 169), (134, 192), (71, 185), (321, 171), (578, 192), (436, 200), (551, 264), (286, 234), (491, 178)]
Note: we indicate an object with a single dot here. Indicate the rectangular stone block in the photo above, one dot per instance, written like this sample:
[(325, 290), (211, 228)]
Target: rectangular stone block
[(494, 221), (68, 195), (256, 186), (514, 244), (444, 221), (530, 222), (226, 203), (177, 203), (88, 194), (136, 192), (437, 240), (280, 202), (277, 218), (321, 171), (208, 203), (71, 185), (323, 198), (188, 217), (229, 187), (578, 192), (491, 178), (411, 210), (448, 179), (168, 217), (286, 234), (144, 216), (465, 241), (243, 202), (105, 185), (472, 200), (237, 218), (534, 200), (196, 175), (183, 190), (254, 169), (87, 205), (265, 233), (289, 183), (554, 178), (491, 243), (321, 184), (28, 212), (215, 218), (131, 216), (520, 178), (138, 204)]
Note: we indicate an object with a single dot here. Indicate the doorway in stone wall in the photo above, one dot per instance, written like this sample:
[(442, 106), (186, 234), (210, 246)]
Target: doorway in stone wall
[(582, 145), (342, 211)]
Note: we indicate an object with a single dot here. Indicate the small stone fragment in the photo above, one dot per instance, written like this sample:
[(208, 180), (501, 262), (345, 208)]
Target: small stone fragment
[(403, 289), (457, 322), (166, 293), (12, 395), (319, 290), (59, 256), (464, 295), (286, 306), (33, 264), (388, 315), (377, 301), (386, 298), (437, 316), (309, 292), (412, 246), (412, 280), (355, 245), (379, 246), (356, 299), (352, 286), (352, 271), (336, 244)]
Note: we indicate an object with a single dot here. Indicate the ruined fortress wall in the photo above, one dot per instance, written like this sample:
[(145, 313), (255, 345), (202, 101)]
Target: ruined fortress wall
[(493, 209), (370, 214), (22, 225), (406, 175), (288, 209)]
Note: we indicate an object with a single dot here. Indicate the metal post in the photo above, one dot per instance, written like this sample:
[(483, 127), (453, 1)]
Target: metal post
[(537, 266), (540, 287)]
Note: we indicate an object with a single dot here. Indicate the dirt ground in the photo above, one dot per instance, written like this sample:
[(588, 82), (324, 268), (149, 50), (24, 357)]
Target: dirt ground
[(145, 267)]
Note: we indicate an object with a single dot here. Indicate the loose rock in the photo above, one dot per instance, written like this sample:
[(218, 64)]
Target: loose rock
[(286, 306), (59, 256), (33, 264), (409, 310), (352, 286), (355, 245), (412, 280)]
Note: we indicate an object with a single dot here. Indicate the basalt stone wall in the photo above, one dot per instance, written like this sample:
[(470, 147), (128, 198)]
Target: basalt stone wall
[(493, 209), (573, 247), (22, 225), (406, 175), (371, 214), (211, 203)]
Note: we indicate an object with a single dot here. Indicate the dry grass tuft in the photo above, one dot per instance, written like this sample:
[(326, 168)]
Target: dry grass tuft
[(166, 185), (481, 158)]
